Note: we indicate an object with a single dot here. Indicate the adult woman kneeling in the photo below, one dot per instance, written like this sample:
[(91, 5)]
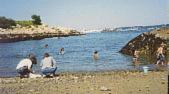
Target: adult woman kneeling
[(48, 65)]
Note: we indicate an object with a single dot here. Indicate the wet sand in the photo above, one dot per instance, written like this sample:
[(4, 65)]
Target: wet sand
[(112, 82)]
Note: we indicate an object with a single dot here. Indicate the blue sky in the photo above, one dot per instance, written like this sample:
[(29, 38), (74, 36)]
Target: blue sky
[(89, 14)]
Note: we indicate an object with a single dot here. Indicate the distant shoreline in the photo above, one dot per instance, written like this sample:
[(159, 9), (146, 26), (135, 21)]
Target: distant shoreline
[(9, 38), (19, 33)]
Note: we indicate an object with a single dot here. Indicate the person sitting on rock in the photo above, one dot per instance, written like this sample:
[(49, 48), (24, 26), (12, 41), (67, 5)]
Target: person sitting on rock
[(24, 67), (48, 65), (160, 55)]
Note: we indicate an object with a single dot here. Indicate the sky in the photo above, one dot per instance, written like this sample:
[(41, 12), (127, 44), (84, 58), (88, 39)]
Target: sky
[(89, 14)]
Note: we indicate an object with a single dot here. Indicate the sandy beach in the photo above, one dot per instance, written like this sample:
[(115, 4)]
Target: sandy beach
[(86, 46), (112, 82)]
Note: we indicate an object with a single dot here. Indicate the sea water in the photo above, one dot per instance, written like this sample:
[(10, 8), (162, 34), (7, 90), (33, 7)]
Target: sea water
[(77, 56)]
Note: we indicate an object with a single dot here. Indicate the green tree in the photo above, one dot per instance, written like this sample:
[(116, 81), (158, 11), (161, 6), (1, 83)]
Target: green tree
[(36, 19), (6, 22)]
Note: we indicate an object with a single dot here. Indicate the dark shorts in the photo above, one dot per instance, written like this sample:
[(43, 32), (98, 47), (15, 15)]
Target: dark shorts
[(161, 57), (23, 70)]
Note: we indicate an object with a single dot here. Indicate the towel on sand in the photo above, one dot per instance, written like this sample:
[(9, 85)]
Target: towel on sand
[(31, 75)]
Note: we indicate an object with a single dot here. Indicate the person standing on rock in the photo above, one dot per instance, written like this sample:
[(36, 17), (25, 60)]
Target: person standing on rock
[(160, 54), (48, 65), (24, 67)]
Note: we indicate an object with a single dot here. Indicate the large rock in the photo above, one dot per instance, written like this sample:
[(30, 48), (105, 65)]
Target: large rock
[(148, 43)]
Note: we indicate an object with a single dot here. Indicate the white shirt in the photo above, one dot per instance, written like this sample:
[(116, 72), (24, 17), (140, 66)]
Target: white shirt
[(24, 62), (48, 62)]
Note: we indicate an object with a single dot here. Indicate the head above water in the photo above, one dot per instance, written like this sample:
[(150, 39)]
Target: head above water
[(46, 45), (46, 55), (32, 57), (62, 49), (95, 52)]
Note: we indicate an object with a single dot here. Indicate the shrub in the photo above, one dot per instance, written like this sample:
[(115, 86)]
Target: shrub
[(6, 22), (36, 20)]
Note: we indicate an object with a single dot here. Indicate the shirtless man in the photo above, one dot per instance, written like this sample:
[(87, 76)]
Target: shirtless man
[(160, 55)]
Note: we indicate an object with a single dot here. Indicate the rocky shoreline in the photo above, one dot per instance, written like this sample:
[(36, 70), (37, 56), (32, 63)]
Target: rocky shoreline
[(148, 43), (7, 38), (34, 33)]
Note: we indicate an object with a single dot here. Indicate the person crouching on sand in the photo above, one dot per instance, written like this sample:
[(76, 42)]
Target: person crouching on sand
[(24, 67), (48, 65)]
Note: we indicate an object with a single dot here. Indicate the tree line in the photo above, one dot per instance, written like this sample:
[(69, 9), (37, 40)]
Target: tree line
[(9, 23)]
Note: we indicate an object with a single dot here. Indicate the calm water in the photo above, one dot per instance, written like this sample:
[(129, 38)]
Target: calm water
[(78, 52)]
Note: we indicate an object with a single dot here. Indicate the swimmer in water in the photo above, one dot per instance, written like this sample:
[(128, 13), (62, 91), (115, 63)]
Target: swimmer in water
[(95, 55), (62, 51), (46, 45)]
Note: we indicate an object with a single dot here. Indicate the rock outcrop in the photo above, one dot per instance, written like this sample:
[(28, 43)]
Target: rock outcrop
[(148, 43), (19, 33)]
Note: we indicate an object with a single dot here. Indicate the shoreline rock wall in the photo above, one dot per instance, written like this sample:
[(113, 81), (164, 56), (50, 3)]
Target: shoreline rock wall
[(34, 33), (5, 38)]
